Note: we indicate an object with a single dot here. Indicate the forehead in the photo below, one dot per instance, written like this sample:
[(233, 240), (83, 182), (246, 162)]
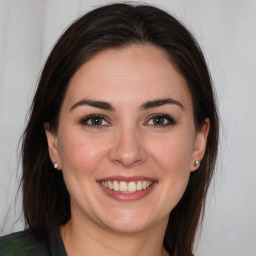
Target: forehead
[(137, 72)]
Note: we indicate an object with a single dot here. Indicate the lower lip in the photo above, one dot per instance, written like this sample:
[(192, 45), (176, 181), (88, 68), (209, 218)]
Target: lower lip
[(119, 196)]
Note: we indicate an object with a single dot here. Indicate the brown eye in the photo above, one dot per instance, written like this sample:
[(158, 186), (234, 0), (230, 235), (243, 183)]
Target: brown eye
[(160, 120), (97, 121)]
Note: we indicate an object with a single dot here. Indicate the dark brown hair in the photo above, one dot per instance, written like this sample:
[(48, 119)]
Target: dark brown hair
[(46, 202)]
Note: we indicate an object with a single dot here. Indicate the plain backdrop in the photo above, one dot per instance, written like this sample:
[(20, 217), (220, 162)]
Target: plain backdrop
[(226, 31)]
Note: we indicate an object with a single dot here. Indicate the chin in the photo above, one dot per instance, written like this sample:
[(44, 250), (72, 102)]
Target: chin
[(130, 223), (124, 227)]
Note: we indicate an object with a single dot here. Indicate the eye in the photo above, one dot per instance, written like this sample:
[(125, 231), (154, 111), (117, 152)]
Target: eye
[(94, 121), (160, 120)]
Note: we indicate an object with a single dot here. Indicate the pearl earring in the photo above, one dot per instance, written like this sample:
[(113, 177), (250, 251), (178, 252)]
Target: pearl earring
[(55, 165), (197, 163)]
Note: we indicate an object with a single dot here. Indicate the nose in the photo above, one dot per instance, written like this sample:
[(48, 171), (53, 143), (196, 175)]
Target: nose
[(128, 148)]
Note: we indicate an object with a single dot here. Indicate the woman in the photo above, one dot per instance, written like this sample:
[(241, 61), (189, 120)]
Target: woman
[(121, 142)]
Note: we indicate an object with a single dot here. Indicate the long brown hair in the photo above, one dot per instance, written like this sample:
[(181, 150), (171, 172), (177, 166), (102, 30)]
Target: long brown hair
[(46, 201)]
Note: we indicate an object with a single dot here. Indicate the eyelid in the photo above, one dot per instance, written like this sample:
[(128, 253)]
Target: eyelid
[(170, 120), (84, 121)]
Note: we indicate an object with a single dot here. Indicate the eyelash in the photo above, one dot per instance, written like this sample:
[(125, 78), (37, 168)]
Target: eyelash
[(168, 121), (85, 121)]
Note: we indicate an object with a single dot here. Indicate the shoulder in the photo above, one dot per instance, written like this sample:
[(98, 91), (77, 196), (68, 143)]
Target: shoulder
[(24, 243)]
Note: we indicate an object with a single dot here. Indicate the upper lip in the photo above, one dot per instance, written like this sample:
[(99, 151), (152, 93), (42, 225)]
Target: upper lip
[(127, 179)]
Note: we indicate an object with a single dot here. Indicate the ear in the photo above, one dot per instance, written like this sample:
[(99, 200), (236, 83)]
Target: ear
[(53, 146), (200, 144)]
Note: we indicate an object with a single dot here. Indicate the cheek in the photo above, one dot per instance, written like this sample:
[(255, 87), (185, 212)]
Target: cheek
[(173, 157), (173, 153), (79, 154), (80, 158), (175, 166)]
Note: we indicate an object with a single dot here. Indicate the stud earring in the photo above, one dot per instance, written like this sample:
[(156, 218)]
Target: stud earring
[(55, 165), (197, 163)]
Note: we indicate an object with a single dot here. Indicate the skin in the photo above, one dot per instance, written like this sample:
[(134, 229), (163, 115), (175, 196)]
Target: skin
[(127, 142)]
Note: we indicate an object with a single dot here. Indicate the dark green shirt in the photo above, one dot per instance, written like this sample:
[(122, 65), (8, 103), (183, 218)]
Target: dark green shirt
[(28, 243)]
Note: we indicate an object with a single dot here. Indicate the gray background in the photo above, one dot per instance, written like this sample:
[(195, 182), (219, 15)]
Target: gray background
[(226, 30)]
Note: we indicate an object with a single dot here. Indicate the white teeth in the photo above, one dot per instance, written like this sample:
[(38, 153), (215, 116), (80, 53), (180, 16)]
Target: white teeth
[(139, 185), (127, 187), (116, 186), (132, 187), (110, 186), (144, 184), (123, 186)]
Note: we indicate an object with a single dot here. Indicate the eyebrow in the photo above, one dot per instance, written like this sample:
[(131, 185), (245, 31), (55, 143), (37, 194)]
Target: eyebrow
[(93, 103), (160, 102), (107, 106)]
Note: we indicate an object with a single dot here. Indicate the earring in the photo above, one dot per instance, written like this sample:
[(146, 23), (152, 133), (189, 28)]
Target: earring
[(197, 163), (55, 165)]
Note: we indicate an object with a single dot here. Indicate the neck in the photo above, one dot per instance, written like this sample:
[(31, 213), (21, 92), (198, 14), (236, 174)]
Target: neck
[(92, 239)]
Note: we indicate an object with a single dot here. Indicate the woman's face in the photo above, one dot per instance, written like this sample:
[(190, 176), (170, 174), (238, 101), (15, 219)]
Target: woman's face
[(126, 141)]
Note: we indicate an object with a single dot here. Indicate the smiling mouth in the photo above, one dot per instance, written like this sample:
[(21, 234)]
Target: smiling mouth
[(126, 187)]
